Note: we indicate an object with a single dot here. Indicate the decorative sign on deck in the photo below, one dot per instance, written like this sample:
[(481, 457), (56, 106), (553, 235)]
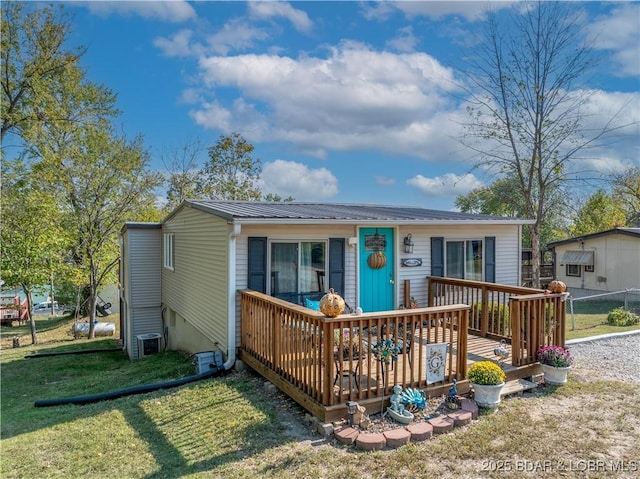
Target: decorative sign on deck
[(410, 262), (436, 362)]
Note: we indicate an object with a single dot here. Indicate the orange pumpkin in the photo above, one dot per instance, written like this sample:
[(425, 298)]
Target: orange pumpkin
[(332, 304), (557, 286), (377, 260)]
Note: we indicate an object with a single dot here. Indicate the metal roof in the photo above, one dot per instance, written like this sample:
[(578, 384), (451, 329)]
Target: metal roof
[(634, 232), (577, 257), (295, 212)]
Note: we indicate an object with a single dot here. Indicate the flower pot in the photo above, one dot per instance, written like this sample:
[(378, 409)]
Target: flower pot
[(487, 395), (555, 376)]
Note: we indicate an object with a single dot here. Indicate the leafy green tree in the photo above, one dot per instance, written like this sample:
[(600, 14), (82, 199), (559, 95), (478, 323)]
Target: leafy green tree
[(526, 112), (499, 198), (627, 191), (101, 181), (231, 173), (33, 57), (600, 212), (31, 239)]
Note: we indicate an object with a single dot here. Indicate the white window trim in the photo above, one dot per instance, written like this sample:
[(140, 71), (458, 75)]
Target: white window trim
[(168, 251)]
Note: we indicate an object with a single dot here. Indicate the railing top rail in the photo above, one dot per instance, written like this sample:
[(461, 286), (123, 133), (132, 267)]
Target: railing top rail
[(525, 297), (395, 313), (482, 284)]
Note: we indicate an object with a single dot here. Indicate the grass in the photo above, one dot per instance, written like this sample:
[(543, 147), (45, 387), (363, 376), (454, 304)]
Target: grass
[(232, 426), (590, 319)]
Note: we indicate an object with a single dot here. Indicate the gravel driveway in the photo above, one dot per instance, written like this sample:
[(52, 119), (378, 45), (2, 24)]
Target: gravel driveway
[(608, 357)]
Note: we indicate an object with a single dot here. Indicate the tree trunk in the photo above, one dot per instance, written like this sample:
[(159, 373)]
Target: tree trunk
[(32, 320), (93, 300), (535, 254)]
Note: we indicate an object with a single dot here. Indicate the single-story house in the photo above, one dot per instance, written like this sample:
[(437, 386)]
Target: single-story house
[(607, 261), (179, 278)]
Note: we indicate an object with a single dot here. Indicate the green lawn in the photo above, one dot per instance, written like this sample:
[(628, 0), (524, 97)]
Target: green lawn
[(234, 427), (590, 319)]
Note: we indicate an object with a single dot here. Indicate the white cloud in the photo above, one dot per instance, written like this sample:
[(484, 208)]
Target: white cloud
[(268, 10), (356, 98), (446, 185), (620, 34), (173, 11), (405, 41), (289, 178), (178, 45), (471, 10), (384, 181), (235, 35)]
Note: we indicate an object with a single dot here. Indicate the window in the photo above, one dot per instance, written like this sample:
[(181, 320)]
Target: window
[(573, 270), (464, 259), (168, 251), (589, 268), (297, 268)]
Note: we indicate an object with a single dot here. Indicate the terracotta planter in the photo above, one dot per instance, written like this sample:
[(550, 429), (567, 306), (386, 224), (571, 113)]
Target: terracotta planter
[(555, 376), (487, 396)]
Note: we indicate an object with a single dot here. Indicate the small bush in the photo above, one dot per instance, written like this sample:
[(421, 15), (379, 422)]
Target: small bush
[(622, 317)]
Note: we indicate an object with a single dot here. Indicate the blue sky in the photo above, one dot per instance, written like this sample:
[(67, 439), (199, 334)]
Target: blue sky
[(344, 101)]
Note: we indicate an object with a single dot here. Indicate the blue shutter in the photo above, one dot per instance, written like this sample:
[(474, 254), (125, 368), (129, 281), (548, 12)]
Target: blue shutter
[(490, 259), (257, 264), (336, 264), (437, 256)]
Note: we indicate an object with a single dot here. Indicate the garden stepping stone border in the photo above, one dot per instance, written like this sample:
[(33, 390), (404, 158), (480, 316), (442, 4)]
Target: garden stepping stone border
[(415, 432)]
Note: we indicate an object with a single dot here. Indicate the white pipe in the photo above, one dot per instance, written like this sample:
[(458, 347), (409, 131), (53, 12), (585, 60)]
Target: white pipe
[(231, 298)]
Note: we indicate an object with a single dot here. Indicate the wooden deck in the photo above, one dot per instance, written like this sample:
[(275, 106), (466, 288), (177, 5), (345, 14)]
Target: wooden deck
[(300, 350), (478, 349)]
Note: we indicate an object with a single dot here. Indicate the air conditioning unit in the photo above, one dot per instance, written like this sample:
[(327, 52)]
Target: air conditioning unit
[(148, 344)]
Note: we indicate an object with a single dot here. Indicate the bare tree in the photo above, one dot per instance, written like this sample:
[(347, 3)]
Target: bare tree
[(183, 170), (527, 107)]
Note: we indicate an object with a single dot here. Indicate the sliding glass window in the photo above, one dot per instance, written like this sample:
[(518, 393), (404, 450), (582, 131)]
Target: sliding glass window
[(297, 268), (464, 259)]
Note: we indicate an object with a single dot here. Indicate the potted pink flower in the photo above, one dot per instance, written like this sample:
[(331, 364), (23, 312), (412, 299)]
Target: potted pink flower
[(556, 362)]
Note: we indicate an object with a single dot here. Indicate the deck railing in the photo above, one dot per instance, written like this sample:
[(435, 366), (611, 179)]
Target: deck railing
[(324, 362), (525, 317)]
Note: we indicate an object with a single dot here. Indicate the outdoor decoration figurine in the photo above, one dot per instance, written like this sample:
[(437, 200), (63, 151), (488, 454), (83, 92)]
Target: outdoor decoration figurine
[(397, 410), (332, 304), (502, 352), (452, 401), (414, 400), (377, 260)]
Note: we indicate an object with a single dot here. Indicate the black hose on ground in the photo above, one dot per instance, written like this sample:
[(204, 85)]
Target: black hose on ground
[(81, 351), (145, 388)]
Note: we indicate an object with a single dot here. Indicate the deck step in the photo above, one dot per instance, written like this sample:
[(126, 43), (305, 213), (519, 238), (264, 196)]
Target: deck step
[(516, 386)]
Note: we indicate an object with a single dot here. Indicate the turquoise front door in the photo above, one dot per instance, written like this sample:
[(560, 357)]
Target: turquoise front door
[(377, 287)]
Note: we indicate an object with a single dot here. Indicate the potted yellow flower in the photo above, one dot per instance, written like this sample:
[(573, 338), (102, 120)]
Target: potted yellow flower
[(487, 380)]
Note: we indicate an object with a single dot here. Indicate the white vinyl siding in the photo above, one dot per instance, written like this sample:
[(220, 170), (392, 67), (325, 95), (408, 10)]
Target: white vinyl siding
[(507, 254), (616, 264), (197, 288), (141, 290)]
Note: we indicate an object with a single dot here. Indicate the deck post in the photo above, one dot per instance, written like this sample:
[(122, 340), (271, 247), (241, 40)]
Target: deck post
[(484, 326), (462, 342), (327, 353), (277, 335), (514, 313)]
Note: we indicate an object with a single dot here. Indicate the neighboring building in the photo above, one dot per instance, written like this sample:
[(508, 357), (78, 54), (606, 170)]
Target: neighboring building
[(607, 261), (179, 278)]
